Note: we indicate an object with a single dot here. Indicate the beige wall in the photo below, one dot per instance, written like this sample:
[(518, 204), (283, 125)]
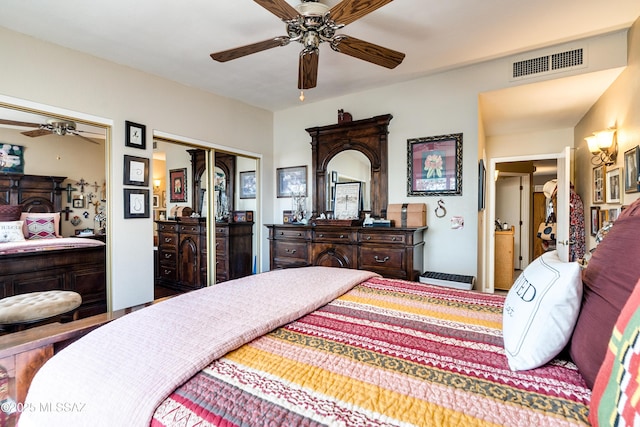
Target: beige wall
[(53, 78), (619, 106)]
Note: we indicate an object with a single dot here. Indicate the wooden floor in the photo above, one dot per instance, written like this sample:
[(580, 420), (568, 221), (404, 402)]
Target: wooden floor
[(161, 292)]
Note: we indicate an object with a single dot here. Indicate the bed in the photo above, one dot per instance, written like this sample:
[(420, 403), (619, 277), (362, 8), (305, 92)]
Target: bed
[(328, 346), (39, 259)]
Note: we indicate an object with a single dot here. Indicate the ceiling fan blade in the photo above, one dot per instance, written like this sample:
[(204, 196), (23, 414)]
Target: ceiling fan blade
[(239, 52), (16, 123), (36, 132), (348, 11), (367, 51), (280, 8), (83, 137), (308, 69)]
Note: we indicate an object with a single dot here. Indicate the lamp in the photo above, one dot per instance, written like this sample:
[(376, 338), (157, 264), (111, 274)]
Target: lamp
[(156, 183), (604, 147)]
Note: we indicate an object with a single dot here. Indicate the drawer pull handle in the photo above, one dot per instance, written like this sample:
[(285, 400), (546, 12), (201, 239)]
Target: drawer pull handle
[(320, 235), (385, 259), (342, 236), (393, 239), (282, 233), (217, 244), (290, 251), (368, 237), (167, 256), (166, 272), (299, 234)]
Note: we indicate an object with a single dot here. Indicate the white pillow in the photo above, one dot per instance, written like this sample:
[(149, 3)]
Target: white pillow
[(541, 311), (11, 231)]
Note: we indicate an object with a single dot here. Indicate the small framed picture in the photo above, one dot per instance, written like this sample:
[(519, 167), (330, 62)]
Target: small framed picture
[(614, 186), (156, 201), (595, 220), (178, 185), (291, 181), (135, 135), (248, 185), (136, 203), (631, 177), (136, 171), (599, 186), (78, 202), (346, 202)]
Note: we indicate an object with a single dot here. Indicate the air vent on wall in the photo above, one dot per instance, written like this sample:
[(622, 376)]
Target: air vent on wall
[(555, 62)]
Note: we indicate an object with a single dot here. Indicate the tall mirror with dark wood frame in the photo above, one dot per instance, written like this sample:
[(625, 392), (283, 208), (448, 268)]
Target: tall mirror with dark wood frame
[(329, 143)]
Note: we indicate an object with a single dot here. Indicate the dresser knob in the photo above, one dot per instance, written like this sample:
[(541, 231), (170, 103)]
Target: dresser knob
[(385, 259), (393, 239), (368, 237), (342, 236), (299, 234), (291, 251), (320, 235)]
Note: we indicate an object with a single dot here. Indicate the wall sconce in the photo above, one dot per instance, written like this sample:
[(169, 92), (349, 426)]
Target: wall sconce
[(156, 184), (604, 147)]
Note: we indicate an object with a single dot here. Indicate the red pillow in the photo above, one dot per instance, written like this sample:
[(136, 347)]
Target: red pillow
[(10, 212), (615, 394), (608, 280)]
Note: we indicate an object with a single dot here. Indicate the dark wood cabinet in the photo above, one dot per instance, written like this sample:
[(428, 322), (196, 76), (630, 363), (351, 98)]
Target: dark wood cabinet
[(182, 252), (391, 252)]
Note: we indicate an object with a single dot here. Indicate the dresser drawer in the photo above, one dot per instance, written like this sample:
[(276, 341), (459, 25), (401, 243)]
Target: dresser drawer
[(189, 228), (167, 273), (221, 246), (295, 250), (168, 227), (167, 240), (390, 262), (222, 231), (384, 238), (167, 257), (331, 236), (296, 234)]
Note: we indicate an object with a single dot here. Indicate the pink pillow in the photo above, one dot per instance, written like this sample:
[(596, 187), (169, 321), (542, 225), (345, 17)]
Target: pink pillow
[(33, 215), (608, 280), (41, 228)]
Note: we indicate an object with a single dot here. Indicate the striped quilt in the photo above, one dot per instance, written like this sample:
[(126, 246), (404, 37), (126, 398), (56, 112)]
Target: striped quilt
[(386, 353)]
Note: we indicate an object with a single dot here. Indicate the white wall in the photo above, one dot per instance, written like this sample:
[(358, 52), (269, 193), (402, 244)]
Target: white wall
[(56, 77)]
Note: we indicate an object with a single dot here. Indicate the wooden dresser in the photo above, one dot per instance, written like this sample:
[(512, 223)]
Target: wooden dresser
[(504, 265), (391, 252), (182, 252)]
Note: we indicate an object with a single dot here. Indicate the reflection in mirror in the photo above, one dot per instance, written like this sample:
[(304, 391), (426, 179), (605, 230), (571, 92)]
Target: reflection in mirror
[(349, 166), (37, 143), (221, 201)]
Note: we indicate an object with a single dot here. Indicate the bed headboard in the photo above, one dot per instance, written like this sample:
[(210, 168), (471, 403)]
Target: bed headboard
[(35, 193)]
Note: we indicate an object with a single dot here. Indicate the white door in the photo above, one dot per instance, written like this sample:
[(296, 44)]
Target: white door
[(562, 208)]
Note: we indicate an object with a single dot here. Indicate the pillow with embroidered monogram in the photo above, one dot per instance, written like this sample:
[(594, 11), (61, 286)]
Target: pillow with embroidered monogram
[(11, 231), (41, 228), (540, 311)]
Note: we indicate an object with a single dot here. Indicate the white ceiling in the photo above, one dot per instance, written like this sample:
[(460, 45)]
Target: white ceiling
[(173, 39)]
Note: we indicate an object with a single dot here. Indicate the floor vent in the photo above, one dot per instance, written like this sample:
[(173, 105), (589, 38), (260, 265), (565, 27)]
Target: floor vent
[(449, 280), (548, 63)]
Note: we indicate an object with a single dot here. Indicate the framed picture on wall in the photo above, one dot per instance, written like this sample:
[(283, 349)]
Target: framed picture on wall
[(631, 177), (595, 220), (614, 186), (178, 185), (248, 185), (291, 181), (598, 185), (136, 203), (434, 165), (482, 184), (136, 171)]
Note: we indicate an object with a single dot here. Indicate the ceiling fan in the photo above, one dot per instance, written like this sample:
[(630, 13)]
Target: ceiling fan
[(312, 23), (53, 126)]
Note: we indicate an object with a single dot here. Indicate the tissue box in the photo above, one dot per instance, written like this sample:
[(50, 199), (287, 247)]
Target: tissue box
[(408, 214)]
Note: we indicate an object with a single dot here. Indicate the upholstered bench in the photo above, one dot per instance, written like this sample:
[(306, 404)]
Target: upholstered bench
[(19, 311)]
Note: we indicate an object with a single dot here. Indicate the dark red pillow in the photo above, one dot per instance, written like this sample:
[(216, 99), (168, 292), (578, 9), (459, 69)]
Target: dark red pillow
[(10, 212), (608, 280)]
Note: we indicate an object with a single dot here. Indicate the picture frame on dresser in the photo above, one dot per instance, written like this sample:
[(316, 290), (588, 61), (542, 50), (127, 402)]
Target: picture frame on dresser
[(599, 184), (434, 165), (136, 203), (136, 171), (631, 175)]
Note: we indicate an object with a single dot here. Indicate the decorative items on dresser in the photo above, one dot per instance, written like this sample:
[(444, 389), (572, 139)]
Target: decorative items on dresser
[(182, 252), (392, 252)]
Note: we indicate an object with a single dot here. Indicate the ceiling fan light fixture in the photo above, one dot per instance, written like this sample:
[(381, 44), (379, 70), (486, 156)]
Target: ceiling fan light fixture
[(311, 8)]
